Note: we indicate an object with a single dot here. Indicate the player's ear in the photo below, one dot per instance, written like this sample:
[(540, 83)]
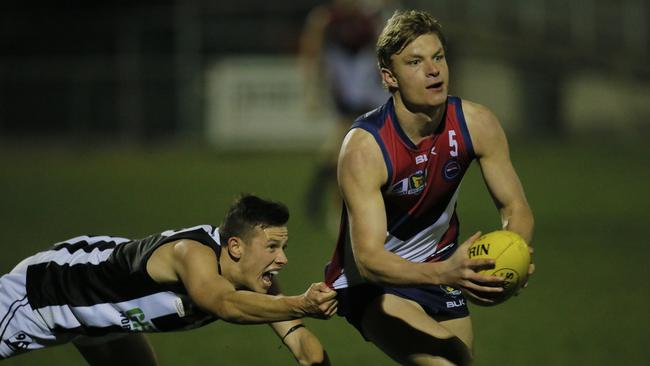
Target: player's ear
[(235, 247), (388, 78)]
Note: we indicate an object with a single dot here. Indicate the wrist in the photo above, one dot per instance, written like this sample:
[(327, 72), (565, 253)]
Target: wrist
[(435, 273), (291, 330), (297, 305)]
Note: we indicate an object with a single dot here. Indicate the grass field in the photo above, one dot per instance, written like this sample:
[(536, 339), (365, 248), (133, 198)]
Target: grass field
[(588, 303)]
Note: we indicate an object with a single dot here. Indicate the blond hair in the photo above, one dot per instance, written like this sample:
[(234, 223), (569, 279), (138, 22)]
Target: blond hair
[(401, 29)]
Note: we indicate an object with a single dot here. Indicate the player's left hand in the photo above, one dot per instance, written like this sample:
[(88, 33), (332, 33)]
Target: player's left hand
[(531, 270)]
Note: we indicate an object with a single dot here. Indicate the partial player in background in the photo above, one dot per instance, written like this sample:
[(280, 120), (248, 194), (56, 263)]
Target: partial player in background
[(338, 60), (102, 292), (399, 269)]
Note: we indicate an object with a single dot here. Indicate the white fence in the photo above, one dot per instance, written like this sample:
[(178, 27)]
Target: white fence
[(259, 102)]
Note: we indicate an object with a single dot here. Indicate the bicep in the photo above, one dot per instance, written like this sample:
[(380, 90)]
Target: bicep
[(361, 174), (196, 266), (491, 146), (501, 179)]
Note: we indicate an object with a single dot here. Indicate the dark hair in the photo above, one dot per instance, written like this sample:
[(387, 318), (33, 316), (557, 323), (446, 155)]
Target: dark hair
[(249, 211), (401, 29)]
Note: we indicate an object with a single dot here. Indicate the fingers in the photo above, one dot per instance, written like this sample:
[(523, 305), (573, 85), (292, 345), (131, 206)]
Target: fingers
[(322, 287), (330, 308), (321, 292), (531, 269), (323, 300), (477, 298), (494, 287), (483, 283), (481, 264), (470, 240), (327, 309), (326, 296)]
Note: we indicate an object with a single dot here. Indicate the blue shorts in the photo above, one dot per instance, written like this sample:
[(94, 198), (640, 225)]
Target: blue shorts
[(439, 301)]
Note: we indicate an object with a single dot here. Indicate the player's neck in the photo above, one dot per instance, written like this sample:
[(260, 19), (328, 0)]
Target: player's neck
[(418, 123), (228, 268)]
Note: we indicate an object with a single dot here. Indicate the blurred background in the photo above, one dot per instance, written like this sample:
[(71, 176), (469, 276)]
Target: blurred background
[(131, 117)]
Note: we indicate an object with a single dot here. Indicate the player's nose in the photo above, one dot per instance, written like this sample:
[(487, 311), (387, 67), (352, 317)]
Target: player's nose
[(281, 258), (432, 69)]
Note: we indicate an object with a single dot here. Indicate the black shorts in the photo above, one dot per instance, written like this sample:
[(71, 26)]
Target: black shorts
[(439, 301)]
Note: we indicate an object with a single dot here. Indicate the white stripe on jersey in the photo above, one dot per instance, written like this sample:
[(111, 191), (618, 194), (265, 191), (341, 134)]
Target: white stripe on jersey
[(416, 249), (207, 228), (110, 314), (62, 256), (423, 245), (93, 239)]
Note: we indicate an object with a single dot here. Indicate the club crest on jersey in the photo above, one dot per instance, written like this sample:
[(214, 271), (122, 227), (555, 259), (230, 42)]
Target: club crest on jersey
[(451, 170), (412, 185), (450, 290)]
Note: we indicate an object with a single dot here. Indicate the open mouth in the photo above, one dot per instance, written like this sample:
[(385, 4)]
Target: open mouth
[(435, 85), (267, 277)]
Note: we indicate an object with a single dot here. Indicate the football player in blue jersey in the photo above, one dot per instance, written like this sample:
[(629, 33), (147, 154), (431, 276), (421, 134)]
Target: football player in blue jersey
[(401, 273)]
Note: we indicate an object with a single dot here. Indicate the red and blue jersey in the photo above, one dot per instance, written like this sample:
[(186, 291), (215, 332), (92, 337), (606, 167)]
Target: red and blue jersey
[(420, 193)]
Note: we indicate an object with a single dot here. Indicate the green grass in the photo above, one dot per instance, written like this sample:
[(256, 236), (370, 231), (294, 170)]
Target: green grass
[(587, 303)]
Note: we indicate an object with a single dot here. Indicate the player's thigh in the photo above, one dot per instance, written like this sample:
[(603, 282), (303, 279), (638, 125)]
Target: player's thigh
[(406, 333), (461, 328), (129, 350)]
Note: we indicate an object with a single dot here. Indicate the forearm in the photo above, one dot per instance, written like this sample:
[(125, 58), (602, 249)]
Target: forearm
[(302, 343), (388, 269), (519, 218), (246, 307)]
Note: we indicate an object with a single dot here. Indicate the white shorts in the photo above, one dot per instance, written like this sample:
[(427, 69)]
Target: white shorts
[(21, 328)]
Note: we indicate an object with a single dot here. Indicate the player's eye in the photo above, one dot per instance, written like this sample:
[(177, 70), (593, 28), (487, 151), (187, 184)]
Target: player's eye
[(413, 62)]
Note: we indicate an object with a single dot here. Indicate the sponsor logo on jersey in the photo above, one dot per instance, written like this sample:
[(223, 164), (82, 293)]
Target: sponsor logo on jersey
[(456, 303), (421, 159), (412, 185), (134, 320), (180, 309), (451, 170), (19, 341)]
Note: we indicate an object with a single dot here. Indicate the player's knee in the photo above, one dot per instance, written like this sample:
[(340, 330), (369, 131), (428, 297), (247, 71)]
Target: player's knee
[(440, 352), (429, 360)]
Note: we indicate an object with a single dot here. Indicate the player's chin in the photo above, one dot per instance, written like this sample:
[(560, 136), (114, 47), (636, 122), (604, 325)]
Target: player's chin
[(436, 99), (264, 285)]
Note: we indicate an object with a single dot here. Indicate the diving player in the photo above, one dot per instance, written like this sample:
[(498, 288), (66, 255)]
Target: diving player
[(102, 292)]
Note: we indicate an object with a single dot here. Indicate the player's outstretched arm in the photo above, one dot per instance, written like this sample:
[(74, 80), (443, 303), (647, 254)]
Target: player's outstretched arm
[(195, 265)]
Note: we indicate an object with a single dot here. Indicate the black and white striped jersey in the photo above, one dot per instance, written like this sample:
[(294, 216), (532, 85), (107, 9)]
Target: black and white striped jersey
[(95, 285)]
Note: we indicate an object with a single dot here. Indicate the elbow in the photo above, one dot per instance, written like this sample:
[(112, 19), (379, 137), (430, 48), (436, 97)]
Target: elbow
[(312, 358), (366, 268)]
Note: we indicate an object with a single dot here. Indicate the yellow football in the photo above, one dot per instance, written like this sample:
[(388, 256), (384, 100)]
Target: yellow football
[(510, 252)]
